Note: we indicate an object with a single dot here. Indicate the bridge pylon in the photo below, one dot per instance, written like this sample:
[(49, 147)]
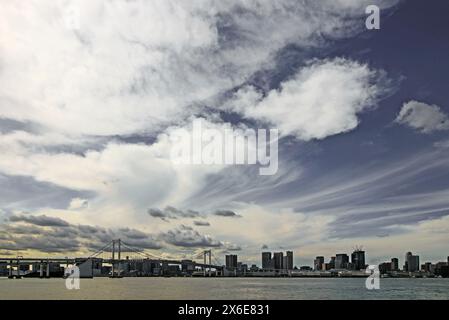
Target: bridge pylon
[(205, 254), (113, 261)]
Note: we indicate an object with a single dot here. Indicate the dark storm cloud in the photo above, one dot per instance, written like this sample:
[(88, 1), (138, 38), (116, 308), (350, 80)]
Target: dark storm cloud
[(133, 234), (157, 213), (43, 220), (54, 235), (24, 229), (226, 213), (187, 237), (172, 213), (201, 223), (44, 243)]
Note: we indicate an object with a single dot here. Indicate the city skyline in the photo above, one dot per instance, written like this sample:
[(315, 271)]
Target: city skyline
[(273, 264), (88, 106), (276, 260)]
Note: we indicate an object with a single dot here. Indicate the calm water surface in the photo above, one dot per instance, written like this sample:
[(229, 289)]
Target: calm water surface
[(223, 288)]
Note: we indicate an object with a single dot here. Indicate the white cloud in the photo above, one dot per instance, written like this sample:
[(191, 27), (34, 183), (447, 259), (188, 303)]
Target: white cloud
[(126, 178), (134, 65), (321, 100), (78, 204), (423, 117)]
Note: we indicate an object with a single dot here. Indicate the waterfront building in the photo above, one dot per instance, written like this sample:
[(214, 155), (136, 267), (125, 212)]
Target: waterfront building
[(358, 260), (254, 268), (341, 261), (231, 262), (442, 269), (394, 264), (428, 267), (266, 260), (288, 260), (411, 262), (385, 267), (278, 258), (318, 263)]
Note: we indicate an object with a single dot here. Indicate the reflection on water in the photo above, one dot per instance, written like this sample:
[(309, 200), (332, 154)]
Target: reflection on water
[(224, 288)]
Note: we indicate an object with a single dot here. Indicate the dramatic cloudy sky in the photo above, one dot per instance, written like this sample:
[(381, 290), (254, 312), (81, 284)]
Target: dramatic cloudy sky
[(90, 89)]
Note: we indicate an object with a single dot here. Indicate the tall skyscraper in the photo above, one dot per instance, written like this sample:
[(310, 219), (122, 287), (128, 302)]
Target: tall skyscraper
[(266, 260), (411, 262), (407, 257), (231, 262), (278, 258), (288, 261), (358, 259), (318, 263), (341, 261), (394, 264)]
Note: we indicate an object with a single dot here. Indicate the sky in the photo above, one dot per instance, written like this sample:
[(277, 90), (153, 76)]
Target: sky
[(90, 92)]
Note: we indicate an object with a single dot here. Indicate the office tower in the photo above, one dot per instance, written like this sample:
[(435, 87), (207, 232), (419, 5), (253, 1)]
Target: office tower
[(413, 263), (266, 260), (407, 257), (318, 263), (341, 261), (394, 264), (278, 258), (288, 260), (231, 261), (358, 259)]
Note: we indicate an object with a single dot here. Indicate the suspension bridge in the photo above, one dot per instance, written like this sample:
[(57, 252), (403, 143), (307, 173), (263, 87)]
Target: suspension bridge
[(116, 259)]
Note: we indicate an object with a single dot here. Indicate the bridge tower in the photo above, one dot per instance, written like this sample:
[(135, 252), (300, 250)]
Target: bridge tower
[(205, 254), (119, 252)]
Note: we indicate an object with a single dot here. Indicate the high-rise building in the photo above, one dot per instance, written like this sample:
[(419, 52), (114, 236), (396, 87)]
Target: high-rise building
[(407, 256), (411, 262), (266, 260), (358, 260), (288, 260), (318, 263), (231, 262), (385, 267), (341, 261), (428, 267), (278, 258), (394, 264)]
